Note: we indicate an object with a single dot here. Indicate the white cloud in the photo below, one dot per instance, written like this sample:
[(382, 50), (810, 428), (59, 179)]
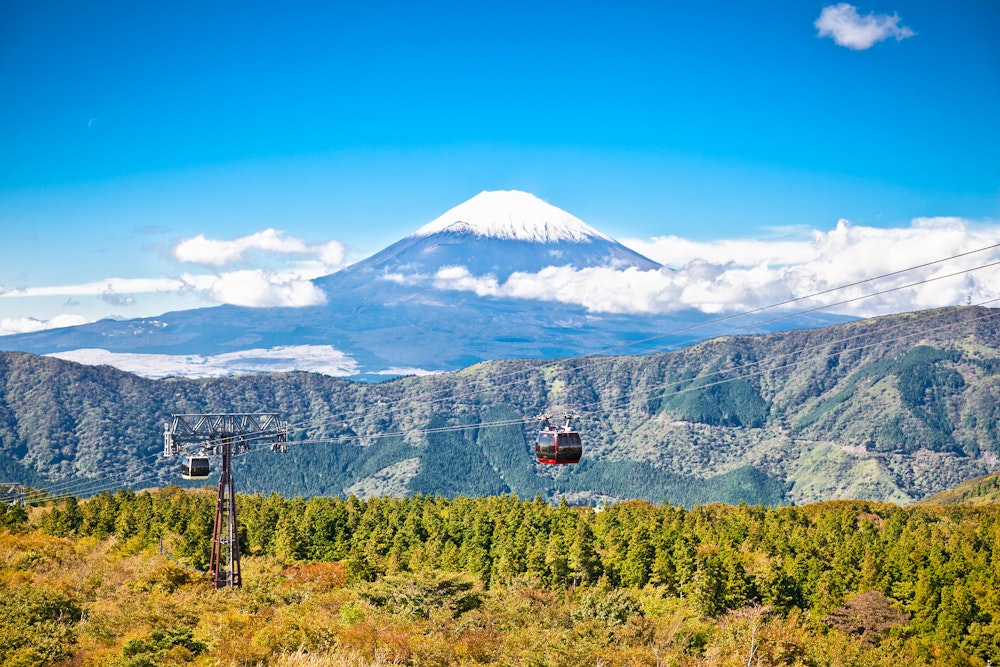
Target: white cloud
[(331, 253), (16, 325), (215, 252), (675, 251), (848, 28), (406, 370), (460, 278), (404, 279), (314, 358), (741, 275), (110, 296), (258, 288), (101, 288), (289, 286)]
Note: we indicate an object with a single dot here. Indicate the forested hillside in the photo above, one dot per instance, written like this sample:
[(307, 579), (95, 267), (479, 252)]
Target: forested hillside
[(500, 581), (894, 408), (983, 490)]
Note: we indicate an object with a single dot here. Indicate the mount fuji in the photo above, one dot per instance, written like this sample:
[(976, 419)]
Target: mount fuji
[(482, 242), (455, 292)]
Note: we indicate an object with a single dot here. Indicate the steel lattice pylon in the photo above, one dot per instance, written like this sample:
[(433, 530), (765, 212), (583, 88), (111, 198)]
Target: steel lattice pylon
[(225, 435), (12, 493)]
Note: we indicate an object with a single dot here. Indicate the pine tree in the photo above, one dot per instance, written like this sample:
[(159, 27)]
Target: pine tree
[(584, 562)]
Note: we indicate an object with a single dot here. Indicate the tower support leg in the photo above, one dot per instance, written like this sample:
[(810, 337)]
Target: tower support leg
[(225, 559)]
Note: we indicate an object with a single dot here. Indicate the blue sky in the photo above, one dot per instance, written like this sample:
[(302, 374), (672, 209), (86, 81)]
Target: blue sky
[(128, 128)]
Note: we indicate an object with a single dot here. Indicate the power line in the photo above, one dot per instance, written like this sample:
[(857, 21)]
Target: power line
[(556, 363), (68, 487), (510, 422), (114, 482)]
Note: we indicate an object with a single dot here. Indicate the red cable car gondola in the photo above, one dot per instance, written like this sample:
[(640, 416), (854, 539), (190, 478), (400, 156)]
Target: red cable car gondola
[(557, 445)]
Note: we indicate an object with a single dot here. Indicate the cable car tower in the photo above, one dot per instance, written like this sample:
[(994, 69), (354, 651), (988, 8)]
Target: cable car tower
[(226, 435), (12, 493)]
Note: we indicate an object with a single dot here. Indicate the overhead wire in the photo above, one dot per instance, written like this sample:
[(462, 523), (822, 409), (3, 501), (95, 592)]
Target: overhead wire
[(94, 485), (76, 483), (66, 488), (648, 390), (837, 352), (86, 485), (114, 482), (446, 394), (886, 291), (830, 290)]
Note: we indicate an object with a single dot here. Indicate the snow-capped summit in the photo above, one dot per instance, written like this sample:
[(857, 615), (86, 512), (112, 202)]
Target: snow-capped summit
[(512, 215), (493, 234)]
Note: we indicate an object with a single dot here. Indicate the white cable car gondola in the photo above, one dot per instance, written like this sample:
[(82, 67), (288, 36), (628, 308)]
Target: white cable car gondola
[(195, 467)]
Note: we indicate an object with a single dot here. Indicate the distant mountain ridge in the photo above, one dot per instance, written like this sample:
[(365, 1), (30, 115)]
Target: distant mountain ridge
[(430, 302), (895, 408)]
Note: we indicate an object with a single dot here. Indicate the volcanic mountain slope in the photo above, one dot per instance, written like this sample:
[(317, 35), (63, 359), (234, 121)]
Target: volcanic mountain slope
[(493, 234), (453, 293)]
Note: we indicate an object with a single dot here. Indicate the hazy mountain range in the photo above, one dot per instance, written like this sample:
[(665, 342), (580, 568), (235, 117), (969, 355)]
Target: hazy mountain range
[(894, 408), (451, 294)]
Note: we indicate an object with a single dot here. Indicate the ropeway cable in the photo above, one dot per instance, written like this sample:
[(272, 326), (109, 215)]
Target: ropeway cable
[(735, 369), (153, 474), (729, 317), (648, 390), (95, 485), (88, 486), (605, 351), (87, 483)]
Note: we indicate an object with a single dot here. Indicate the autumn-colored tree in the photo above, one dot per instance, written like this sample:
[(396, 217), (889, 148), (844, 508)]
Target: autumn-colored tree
[(868, 616)]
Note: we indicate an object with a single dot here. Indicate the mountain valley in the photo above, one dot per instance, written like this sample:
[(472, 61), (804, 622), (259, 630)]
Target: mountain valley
[(894, 408)]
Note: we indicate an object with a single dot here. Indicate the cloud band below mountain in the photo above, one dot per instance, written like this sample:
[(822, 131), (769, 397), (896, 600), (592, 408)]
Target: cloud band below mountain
[(734, 275), (730, 275)]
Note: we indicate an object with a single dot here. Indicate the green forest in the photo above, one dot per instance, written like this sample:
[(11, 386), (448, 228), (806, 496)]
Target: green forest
[(894, 408), (430, 580)]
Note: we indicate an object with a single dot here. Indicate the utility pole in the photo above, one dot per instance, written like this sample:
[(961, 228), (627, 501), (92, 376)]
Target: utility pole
[(225, 435)]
